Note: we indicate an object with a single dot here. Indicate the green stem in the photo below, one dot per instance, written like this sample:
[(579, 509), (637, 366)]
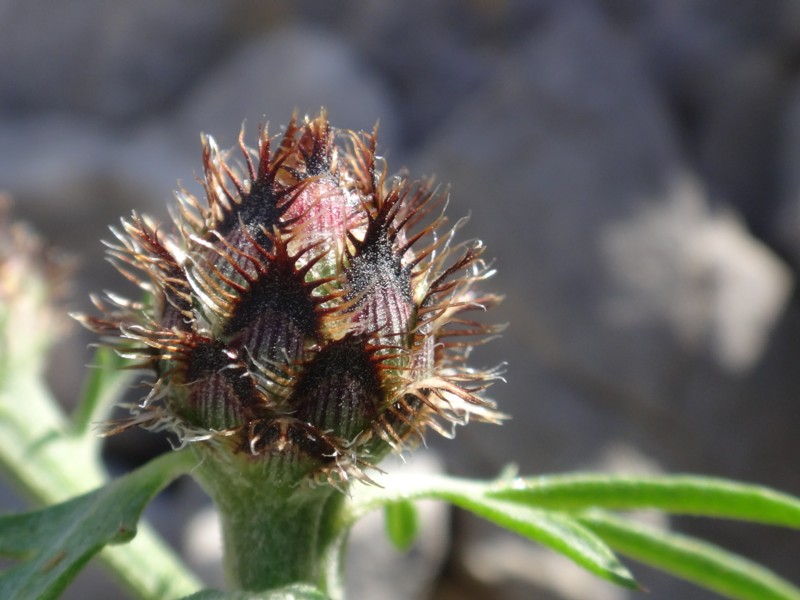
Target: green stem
[(276, 532)]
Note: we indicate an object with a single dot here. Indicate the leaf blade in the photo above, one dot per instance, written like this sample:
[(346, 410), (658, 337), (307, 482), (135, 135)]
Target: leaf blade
[(402, 523), (553, 529), (558, 532), (694, 560), (678, 494), (57, 541)]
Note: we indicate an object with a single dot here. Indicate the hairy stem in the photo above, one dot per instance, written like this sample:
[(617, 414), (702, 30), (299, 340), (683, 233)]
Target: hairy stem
[(276, 532)]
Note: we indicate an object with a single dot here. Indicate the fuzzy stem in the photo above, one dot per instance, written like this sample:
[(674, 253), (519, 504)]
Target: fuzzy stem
[(276, 532)]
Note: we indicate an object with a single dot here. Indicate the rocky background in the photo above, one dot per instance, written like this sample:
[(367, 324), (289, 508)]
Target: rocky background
[(632, 166)]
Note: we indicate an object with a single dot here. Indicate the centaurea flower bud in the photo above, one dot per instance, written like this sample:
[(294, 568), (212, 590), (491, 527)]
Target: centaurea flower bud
[(307, 313)]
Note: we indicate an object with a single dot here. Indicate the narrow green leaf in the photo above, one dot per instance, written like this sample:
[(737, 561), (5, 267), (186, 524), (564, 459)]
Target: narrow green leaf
[(556, 530), (105, 381), (55, 542), (292, 592), (681, 494), (702, 563), (402, 523)]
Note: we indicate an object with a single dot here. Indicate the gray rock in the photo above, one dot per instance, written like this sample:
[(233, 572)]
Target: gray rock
[(619, 274), (432, 55), (300, 68), (110, 59), (787, 219), (623, 282), (724, 71), (427, 54)]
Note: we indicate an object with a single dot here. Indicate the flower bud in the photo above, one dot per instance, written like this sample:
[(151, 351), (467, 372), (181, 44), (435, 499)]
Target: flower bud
[(307, 313)]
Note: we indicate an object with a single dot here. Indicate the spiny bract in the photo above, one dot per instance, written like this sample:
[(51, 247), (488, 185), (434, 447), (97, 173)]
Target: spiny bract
[(306, 313)]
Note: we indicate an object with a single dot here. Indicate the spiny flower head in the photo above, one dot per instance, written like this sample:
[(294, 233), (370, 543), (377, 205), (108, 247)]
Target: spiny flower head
[(308, 312)]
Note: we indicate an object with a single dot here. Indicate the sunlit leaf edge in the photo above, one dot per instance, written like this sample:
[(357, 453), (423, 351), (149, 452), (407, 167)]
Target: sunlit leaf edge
[(694, 560), (553, 529), (677, 494)]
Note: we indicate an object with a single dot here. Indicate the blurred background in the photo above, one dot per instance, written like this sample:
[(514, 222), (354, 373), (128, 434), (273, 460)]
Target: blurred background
[(632, 167)]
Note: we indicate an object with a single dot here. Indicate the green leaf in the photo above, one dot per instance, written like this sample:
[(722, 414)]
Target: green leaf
[(402, 523), (681, 494), (696, 561), (291, 592), (55, 542), (556, 530)]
